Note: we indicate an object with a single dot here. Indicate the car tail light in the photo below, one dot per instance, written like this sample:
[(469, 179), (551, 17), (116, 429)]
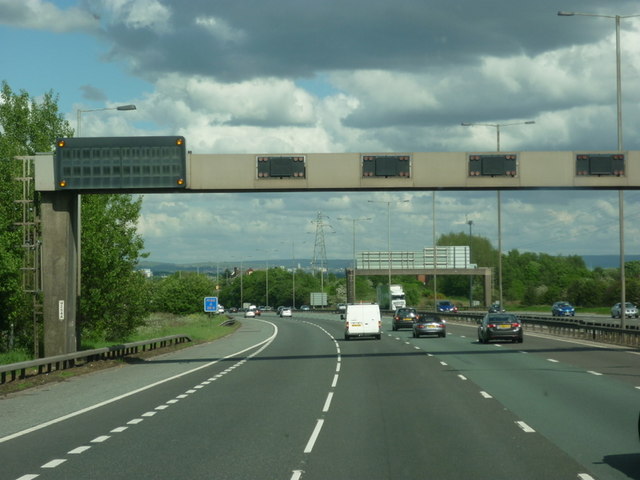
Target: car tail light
[(515, 325), (491, 325)]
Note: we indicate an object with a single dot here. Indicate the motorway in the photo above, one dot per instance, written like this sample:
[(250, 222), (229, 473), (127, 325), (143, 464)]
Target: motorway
[(290, 399)]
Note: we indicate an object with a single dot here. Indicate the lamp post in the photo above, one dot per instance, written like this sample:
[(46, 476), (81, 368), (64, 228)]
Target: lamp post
[(354, 220), (388, 230), (620, 147), (470, 223), (497, 127), (266, 289), (79, 207), (80, 112)]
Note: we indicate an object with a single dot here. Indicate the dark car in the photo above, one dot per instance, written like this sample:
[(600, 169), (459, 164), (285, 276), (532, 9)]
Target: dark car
[(429, 325), (446, 306), (404, 318), (496, 308), (562, 309), (500, 326)]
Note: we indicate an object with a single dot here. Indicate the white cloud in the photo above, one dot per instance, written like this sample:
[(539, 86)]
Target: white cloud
[(43, 15)]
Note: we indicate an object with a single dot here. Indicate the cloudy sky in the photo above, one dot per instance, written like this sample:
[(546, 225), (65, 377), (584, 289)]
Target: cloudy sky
[(307, 76)]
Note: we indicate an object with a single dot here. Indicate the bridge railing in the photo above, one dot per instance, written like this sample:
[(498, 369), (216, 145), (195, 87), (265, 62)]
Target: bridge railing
[(61, 362)]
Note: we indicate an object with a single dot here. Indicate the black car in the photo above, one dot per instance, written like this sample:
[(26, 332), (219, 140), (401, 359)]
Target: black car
[(429, 325), (496, 308), (500, 326), (404, 318)]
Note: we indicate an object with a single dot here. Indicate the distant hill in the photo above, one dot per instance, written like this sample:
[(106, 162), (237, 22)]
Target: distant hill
[(607, 261)]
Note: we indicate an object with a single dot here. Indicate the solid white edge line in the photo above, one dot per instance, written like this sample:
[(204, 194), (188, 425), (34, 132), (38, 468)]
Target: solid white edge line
[(314, 436), (141, 389)]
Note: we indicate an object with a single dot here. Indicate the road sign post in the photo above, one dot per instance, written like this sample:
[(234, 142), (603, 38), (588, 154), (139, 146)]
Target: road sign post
[(210, 304)]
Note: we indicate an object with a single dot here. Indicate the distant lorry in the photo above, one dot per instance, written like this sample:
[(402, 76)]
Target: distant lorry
[(390, 297)]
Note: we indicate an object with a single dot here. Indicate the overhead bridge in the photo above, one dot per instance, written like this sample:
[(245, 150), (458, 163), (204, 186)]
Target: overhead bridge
[(164, 165)]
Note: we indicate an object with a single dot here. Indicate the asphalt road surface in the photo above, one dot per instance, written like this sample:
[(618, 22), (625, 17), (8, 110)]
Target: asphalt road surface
[(290, 399)]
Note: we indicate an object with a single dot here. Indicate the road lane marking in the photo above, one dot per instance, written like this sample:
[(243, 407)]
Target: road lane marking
[(101, 439), (462, 377), (444, 364), (525, 427), (593, 373), (149, 414), (553, 360), (585, 476), (296, 475), (118, 430), (485, 394), (335, 381), (314, 436), (135, 421), (327, 402), (54, 463), (79, 450), (28, 477)]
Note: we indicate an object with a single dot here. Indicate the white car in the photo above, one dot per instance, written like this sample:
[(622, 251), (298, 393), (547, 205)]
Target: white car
[(286, 312), (220, 308), (250, 314)]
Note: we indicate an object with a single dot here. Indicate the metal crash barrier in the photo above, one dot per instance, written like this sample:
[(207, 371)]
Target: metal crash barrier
[(62, 362)]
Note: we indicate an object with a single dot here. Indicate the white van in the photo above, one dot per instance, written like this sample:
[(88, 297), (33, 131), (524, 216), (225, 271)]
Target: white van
[(362, 320)]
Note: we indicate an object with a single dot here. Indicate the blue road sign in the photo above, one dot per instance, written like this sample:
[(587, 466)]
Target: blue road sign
[(210, 304)]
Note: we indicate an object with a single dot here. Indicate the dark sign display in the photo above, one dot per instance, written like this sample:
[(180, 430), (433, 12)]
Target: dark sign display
[(599, 164), (493, 165), (386, 166), (112, 163), (281, 166)]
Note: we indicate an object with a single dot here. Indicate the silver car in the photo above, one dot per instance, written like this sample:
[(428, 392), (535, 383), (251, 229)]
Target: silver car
[(630, 311)]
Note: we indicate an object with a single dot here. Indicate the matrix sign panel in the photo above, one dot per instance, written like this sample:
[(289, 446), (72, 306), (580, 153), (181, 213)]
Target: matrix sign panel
[(281, 167), (386, 166), (493, 165), (599, 164), (103, 163)]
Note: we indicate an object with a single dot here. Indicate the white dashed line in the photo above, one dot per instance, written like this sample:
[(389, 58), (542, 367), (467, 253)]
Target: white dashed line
[(119, 429), (149, 414), (335, 381), (444, 364), (462, 377), (54, 463), (526, 428), (485, 395), (135, 421), (79, 450), (314, 436), (593, 373), (553, 360), (327, 403), (585, 476), (28, 477), (101, 439)]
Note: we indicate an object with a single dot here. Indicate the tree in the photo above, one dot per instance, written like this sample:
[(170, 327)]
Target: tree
[(182, 293), (27, 126), (114, 299)]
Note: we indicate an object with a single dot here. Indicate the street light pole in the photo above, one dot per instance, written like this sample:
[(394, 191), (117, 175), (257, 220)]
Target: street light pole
[(470, 223), (80, 112), (620, 147), (388, 230), (79, 201), (353, 273), (499, 200)]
